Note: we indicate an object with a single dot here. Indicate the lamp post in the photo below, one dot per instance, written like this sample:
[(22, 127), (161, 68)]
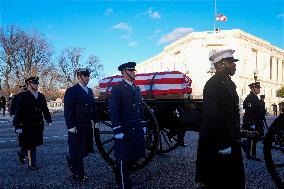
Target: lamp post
[(255, 72)]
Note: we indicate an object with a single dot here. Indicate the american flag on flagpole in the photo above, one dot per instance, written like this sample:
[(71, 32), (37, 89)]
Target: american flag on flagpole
[(221, 17)]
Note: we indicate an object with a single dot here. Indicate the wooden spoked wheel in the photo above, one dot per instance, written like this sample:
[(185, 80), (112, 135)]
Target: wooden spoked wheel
[(273, 153), (104, 138)]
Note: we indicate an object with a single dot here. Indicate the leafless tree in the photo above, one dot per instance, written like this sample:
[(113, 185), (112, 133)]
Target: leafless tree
[(71, 59), (22, 55), (11, 41)]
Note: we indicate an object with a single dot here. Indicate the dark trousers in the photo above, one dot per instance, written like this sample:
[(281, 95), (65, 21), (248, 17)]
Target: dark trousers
[(123, 174), (3, 110), (249, 146), (181, 135), (31, 154), (228, 171), (77, 165)]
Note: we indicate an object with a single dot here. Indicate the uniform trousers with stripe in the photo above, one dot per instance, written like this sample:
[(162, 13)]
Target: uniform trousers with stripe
[(31, 154), (249, 146), (78, 165), (123, 174)]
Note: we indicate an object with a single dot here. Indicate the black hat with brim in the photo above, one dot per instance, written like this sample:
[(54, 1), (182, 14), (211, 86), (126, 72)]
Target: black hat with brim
[(33, 80), (84, 72), (254, 85), (127, 66)]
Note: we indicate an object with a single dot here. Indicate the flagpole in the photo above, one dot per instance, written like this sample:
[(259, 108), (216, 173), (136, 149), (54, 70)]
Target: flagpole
[(214, 16)]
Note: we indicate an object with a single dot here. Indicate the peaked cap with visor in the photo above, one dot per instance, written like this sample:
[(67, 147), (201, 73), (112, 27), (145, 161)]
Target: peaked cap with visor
[(32, 79), (83, 71), (127, 66), (223, 55)]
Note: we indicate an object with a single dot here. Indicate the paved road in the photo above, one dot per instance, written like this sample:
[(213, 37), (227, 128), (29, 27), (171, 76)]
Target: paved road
[(173, 170)]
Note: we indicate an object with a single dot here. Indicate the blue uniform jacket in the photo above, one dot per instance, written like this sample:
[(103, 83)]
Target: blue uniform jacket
[(126, 110), (79, 110)]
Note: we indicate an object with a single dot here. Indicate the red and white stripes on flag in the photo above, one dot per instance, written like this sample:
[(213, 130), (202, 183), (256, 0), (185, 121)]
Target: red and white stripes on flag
[(221, 18), (171, 82)]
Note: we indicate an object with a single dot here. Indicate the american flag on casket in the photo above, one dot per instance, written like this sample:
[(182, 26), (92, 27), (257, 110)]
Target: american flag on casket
[(158, 83)]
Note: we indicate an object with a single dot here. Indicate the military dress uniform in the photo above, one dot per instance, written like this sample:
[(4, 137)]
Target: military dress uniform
[(79, 111), (21, 155), (127, 117), (220, 129), (263, 110), (252, 121), (29, 113), (3, 104)]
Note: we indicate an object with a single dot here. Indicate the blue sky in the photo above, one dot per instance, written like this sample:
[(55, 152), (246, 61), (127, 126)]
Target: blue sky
[(121, 31)]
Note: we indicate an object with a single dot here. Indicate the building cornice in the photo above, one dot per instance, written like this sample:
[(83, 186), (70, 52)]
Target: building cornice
[(234, 33)]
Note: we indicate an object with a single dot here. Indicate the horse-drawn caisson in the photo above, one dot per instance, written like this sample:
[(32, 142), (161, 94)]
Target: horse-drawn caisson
[(168, 110)]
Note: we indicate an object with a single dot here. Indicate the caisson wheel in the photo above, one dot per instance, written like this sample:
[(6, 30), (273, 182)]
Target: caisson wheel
[(168, 140), (104, 138), (273, 152), (169, 136)]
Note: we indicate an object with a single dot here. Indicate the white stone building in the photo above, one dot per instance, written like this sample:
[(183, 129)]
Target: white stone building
[(257, 57)]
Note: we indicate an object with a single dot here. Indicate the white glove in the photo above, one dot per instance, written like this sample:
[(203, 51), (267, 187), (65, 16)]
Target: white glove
[(144, 129), (49, 124), (19, 131), (119, 136), (97, 125), (226, 151), (72, 130), (253, 126)]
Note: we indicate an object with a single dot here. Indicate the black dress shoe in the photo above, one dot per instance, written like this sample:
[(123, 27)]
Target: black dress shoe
[(21, 158), (68, 158), (33, 167), (183, 144), (77, 178), (253, 158), (83, 179)]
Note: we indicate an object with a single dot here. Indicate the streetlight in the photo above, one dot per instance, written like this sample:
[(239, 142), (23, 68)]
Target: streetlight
[(255, 72)]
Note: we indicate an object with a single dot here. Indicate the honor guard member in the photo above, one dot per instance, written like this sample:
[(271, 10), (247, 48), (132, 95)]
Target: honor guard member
[(21, 155), (263, 110), (23, 88), (31, 107), (3, 103), (253, 120), (127, 117), (79, 111), (219, 155)]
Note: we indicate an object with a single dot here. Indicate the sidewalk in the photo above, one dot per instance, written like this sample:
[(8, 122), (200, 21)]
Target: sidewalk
[(4, 119)]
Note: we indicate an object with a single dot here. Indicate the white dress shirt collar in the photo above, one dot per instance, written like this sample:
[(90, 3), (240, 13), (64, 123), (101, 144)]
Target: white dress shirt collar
[(84, 87)]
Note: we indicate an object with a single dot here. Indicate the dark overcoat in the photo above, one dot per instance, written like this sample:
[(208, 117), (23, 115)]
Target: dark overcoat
[(2, 101), (262, 109), (79, 111), (13, 104), (126, 110), (29, 117), (220, 130), (253, 114)]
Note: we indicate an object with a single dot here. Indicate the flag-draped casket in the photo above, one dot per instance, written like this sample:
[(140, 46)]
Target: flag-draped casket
[(171, 84)]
